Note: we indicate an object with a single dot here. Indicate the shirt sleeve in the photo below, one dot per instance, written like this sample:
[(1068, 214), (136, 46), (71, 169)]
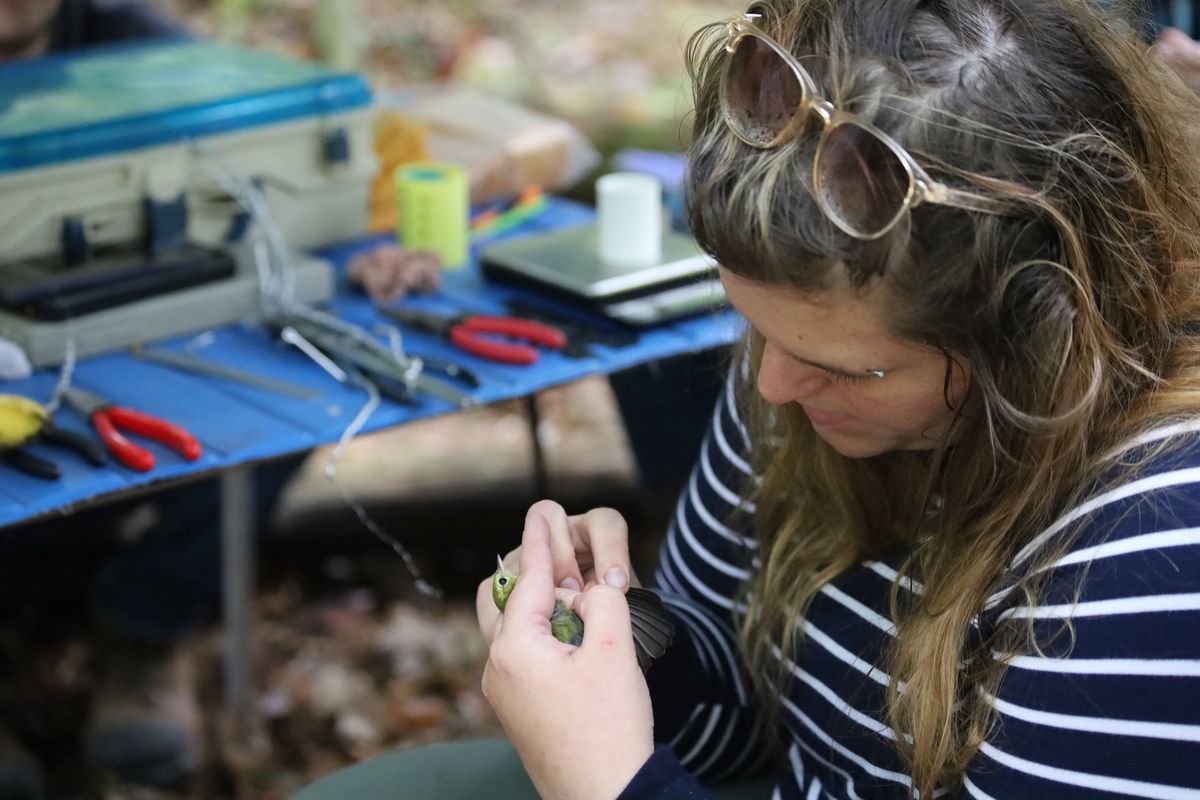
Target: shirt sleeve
[(703, 706), (1108, 705)]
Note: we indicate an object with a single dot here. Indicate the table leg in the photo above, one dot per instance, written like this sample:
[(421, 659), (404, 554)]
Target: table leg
[(237, 564)]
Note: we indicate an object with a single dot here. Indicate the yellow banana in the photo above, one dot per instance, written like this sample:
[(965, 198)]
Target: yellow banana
[(20, 419)]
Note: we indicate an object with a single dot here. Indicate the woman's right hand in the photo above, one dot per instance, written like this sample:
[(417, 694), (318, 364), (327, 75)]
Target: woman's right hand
[(586, 549)]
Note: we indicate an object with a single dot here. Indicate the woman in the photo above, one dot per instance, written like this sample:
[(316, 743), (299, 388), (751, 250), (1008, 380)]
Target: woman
[(947, 520)]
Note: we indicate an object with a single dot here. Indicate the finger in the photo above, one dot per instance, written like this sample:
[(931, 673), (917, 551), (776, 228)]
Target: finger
[(485, 609), (497, 627), (606, 625), (566, 597), (512, 560), (607, 535), (562, 552), (533, 597)]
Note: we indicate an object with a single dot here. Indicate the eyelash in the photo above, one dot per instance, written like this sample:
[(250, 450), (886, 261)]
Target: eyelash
[(838, 377), (841, 377)]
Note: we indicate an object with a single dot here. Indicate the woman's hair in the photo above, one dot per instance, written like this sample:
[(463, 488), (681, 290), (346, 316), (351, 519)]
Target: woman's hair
[(1074, 313)]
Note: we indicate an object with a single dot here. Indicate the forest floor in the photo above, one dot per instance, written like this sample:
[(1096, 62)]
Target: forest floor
[(350, 660)]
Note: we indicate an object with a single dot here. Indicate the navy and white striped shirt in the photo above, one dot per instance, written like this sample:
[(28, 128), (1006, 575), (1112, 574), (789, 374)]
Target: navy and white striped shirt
[(1112, 712)]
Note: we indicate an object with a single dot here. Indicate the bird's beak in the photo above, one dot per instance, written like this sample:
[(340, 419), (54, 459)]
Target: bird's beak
[(499, 563)]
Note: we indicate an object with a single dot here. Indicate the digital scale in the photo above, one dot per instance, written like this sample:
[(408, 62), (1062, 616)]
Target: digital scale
[(566, 262), (112, 229)]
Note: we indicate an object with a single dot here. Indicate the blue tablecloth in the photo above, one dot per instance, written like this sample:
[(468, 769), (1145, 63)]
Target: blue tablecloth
[(237, 423)]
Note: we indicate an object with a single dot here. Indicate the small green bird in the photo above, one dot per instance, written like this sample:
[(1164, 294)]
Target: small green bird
[(652, 628)]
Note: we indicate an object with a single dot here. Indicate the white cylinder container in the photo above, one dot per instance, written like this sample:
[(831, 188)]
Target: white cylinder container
[(629, 218)]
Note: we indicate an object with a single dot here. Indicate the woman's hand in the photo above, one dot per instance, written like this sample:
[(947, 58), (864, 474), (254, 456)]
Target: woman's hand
[(579, 717), (586, 549), (388, 272)]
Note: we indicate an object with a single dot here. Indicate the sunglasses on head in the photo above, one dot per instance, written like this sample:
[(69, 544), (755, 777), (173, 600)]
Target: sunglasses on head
[(863, 180)]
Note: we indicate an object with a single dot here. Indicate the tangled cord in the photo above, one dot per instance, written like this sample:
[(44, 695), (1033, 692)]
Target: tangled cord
[(277, 284)]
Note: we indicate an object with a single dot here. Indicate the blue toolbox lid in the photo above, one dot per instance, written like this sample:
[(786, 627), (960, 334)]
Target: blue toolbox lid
[(125, 97)]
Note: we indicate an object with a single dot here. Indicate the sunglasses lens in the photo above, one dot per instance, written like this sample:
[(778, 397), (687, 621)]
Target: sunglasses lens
[(761, 93), (861, 180)]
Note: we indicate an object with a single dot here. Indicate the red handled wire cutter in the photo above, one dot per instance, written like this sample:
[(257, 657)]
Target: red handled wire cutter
[(468, 333), (107, 419)]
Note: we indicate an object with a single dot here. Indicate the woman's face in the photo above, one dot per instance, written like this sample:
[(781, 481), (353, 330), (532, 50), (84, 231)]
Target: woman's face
[(819, 351)]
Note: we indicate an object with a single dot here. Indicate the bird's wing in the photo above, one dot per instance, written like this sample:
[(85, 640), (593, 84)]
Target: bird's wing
[(652, 628)]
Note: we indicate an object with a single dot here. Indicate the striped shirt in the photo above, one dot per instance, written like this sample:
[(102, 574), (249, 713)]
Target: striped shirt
[(1113, 711)]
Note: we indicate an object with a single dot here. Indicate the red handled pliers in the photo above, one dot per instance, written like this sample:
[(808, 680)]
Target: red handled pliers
[(107, 418), (467, 332)]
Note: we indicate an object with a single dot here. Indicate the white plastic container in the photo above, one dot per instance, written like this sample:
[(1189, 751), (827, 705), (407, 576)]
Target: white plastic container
[(629, 218)]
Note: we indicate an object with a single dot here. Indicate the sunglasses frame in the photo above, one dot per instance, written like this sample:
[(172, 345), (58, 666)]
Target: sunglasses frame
[(922, 188)]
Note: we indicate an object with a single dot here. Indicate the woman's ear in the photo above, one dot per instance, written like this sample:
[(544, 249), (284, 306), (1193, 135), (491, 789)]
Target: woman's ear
[(958, 381)]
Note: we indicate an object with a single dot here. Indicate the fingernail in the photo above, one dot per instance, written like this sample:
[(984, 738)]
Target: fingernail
[(615, 578), (570, 584)]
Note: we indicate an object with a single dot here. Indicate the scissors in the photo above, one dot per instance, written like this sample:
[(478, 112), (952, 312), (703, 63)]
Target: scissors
[(107, 418), (466, 332)]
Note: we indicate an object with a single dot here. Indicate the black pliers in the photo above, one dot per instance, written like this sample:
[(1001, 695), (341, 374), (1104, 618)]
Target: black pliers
[(24, 461)]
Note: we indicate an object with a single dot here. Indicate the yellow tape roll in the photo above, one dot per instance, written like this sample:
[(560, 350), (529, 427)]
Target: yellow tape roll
[(434, 209)]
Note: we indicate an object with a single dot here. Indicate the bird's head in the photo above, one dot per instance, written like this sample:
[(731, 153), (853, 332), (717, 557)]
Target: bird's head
[(502, 584)]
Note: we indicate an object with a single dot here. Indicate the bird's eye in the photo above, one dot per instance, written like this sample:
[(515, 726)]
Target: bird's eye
[(503, 581)]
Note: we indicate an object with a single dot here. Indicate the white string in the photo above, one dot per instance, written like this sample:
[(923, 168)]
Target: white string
[(277, 288), (395, 341), (352, 430), (414, 364), (356, 424), (66, 372), (273, 260)]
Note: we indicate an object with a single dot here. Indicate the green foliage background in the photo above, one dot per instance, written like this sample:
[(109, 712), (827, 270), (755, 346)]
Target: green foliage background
[(612, 67)]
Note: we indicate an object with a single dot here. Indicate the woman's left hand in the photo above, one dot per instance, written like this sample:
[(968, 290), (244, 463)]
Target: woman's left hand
[(579, 717)]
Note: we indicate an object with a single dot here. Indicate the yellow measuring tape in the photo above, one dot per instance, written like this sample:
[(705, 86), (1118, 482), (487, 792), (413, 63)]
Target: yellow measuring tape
[(434, 204)]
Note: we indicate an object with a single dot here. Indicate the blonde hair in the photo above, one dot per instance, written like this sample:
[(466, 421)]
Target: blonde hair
[(1075, 314)]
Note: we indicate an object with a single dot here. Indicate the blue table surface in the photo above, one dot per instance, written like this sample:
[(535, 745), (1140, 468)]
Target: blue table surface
[(237, 423)]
